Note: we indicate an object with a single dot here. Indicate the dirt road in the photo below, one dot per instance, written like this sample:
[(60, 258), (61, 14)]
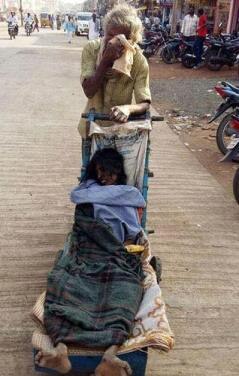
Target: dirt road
[(190, 92)]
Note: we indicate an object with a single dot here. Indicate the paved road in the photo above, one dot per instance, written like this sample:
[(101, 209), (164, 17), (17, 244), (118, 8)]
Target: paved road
[(195, 222)]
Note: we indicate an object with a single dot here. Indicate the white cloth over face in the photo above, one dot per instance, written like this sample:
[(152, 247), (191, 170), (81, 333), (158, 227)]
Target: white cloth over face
[(116, 205), (125, 62)]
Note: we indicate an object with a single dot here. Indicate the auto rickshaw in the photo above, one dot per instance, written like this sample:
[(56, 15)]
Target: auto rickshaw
[(44, 19)]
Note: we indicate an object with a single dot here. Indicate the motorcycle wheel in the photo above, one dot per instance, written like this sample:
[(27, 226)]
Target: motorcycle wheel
[(188, 61), (167, 56), (213, 66), (148, 53), (224, 133), (236, 185)]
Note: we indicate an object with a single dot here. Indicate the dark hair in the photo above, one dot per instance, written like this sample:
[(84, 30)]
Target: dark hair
[(200, 11), (109, 160)]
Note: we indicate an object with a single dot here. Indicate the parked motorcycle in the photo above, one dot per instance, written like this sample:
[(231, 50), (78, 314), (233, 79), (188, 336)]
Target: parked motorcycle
[(28, 28), (152, 46), (236, 185), (12, 30), (153, 40), (226, 131), (189, 58), (233, 153), (175, 49), (223, 53)]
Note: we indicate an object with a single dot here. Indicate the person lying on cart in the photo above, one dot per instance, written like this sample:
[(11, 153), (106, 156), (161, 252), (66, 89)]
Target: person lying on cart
[(94, 291), (113, 69)]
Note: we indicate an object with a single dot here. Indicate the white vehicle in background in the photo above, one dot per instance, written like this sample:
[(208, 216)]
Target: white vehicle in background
[(82, 23)]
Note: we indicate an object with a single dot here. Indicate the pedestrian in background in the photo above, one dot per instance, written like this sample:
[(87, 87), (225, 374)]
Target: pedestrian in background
[(36, 23), (201, 35), (94, 27), (52, 21), (189, 26), (69, 27)]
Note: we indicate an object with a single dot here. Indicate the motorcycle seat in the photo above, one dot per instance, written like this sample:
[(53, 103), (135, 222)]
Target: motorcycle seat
[(189, 44), (232, 87)]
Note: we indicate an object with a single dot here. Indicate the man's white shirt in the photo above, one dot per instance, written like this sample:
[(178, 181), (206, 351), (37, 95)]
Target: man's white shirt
[(28, 19), (189, 25), (12, 19)]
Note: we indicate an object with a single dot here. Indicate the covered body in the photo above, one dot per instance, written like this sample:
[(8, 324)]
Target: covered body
[(94, 291)]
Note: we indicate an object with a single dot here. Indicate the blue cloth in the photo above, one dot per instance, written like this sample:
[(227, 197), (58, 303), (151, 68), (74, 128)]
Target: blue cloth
[(69, 26), (116, 205)]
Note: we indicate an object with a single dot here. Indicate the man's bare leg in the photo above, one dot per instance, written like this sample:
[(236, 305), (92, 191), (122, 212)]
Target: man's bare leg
[(111, 365)]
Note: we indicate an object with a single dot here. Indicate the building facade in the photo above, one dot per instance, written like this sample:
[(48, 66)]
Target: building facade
[(218, 11), (233, 22)]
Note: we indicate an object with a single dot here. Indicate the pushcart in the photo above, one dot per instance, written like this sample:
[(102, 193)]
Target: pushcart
[(84, 361), (145, 121)]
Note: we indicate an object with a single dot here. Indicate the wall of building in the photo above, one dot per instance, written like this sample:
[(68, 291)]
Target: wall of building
[(222, 14), (217, 11), (233, 23)]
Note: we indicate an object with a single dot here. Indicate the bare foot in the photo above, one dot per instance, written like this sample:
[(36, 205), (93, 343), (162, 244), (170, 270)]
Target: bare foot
[(56, 359), (113, 366)]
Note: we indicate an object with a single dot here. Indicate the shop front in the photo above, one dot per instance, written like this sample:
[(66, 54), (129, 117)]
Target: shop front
[(233, 23), (217, 12), (222, 15), (165, 7), (210, 9)]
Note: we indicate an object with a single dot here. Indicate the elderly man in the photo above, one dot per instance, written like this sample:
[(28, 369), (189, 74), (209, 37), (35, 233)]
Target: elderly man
[(107, 90)]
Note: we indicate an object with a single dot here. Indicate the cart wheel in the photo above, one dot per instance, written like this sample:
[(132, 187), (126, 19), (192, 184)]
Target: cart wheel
[(150, 174), (236, 186), (156, 263)]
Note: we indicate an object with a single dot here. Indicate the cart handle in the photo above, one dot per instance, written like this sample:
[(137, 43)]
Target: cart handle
[(91, 116)]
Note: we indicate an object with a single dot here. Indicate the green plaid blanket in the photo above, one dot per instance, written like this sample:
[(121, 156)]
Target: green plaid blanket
[(93, 291)]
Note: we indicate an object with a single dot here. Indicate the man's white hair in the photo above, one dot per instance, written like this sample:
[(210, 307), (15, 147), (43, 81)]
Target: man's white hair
[(126, 16)]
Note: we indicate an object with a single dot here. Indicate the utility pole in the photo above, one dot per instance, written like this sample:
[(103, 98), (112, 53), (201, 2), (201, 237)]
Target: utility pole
[(176, 5), (21, 11)]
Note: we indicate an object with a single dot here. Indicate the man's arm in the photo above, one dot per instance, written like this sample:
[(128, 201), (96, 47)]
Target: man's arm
[(183, 26), (121, 113), (92, 84), (141, 93), (203, 24)]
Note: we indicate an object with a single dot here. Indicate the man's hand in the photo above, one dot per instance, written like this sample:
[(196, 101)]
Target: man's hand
[(120, 113), (114, 50)]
